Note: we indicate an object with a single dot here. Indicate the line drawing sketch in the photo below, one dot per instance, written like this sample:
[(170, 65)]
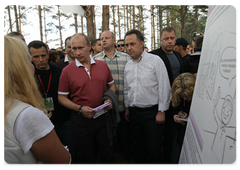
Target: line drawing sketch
[(220, 66)]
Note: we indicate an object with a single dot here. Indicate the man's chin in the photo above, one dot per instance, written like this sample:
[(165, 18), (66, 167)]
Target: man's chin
[(42, 67)]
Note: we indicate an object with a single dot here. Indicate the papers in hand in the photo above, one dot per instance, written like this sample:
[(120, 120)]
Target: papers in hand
[(100, 110), (184, 120)]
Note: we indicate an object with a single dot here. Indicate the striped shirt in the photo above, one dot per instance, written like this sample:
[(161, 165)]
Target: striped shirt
[(116, 65)]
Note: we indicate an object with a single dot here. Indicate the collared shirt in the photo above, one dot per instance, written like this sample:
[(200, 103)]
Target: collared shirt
[(146, 83), (116, 65), (78, 64), (66, 59), (85, 89)]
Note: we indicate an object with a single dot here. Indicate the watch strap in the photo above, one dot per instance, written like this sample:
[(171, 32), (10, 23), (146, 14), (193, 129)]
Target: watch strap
[(80, 110)]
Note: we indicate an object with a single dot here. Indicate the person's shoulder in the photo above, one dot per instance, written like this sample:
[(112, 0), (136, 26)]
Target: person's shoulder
[(119, 53), (101, 54), (129, 63), (151, 56), (55, 67), (70, 66), (187, 56), (56, 70), (177, 54), (60, 61), (100, 62), (123, 55), (156, 51)]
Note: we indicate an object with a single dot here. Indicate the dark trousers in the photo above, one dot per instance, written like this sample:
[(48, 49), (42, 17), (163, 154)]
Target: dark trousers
[(169, 132), (124, 138), (146, 135), (176, 149), (86, 132)]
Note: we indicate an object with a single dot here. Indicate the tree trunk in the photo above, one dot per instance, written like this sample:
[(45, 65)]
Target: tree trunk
[(91, 28), (82, 23), (124, 15), (19, 14), (130, 17), (60, 27), (152, 28), (133, 16), (40, 21), (45, 23), (183, 14), (127, 18), (140, 24), (119, 24), (76, 24), (114, 24), (105, 18), (173, 17), (160, 9), (16, 17), (10, 20), (167, 10), (158, 28), (196, 18)]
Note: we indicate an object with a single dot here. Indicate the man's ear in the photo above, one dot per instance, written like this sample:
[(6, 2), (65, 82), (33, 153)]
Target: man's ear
[(142, 44), (90, 46)]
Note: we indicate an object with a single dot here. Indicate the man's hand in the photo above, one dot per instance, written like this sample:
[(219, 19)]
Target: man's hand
[(87, 112), (108, 107), (127, 114), (160, 117)]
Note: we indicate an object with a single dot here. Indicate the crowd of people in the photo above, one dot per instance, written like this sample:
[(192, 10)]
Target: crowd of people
[(51, 96)]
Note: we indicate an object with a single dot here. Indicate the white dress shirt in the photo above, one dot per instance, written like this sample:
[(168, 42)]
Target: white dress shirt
[(146, 83)]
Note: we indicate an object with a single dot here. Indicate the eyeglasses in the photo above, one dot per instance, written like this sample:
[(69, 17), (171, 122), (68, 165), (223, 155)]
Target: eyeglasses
[(123, 45)]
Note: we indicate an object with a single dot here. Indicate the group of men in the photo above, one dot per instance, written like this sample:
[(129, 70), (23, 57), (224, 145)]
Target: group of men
[(136, 85)]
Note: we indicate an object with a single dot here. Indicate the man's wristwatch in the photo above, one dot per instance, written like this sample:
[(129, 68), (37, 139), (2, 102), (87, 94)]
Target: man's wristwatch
[(80, 110), (161, 110)]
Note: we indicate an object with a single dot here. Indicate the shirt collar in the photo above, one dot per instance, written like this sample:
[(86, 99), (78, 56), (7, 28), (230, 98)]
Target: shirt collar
[(105, 55), (78, 64), (142, 56), (66, 59)]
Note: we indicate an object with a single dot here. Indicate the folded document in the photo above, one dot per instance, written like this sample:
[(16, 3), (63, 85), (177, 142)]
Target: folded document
[(100, 110)]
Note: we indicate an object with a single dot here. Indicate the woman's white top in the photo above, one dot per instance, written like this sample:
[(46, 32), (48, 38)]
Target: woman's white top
[(24, 125)]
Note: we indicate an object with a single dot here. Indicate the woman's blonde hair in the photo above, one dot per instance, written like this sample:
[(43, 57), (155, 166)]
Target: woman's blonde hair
[(184, 83), (19, 81)]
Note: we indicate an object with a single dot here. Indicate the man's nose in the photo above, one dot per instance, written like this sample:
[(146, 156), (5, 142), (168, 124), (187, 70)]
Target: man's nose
[(79, 52), (40, 58)]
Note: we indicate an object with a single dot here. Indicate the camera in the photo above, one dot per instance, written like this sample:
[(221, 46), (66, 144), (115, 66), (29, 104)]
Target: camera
[(196, 34)]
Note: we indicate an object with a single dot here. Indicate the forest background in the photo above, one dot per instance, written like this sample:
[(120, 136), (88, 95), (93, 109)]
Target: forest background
[(50, 24)]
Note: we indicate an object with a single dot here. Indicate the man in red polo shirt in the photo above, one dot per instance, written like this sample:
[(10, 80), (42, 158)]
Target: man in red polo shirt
[(86, 80)]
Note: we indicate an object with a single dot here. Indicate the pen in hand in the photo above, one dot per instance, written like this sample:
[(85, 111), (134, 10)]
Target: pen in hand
[(183, 114)]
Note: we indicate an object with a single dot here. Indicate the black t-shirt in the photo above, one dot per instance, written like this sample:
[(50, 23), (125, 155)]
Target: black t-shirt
[(60, 113)]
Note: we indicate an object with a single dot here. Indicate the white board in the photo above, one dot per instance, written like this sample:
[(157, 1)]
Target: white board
[(211, 131)]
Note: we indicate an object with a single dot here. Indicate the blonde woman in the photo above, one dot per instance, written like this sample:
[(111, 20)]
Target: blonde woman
[(29, 134), (182, 92)]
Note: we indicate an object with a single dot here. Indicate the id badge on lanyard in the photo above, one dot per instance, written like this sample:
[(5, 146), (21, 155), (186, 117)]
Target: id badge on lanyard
[(48, 101)]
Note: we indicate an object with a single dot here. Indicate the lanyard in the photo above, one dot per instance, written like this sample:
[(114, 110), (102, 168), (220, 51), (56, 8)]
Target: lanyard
[(49, 81)]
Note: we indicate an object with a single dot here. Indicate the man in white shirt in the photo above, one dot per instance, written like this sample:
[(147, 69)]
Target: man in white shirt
[(146, 97)]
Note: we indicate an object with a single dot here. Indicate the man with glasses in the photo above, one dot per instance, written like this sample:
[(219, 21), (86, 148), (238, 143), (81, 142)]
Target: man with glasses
[(121, 46), (174, 64)]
